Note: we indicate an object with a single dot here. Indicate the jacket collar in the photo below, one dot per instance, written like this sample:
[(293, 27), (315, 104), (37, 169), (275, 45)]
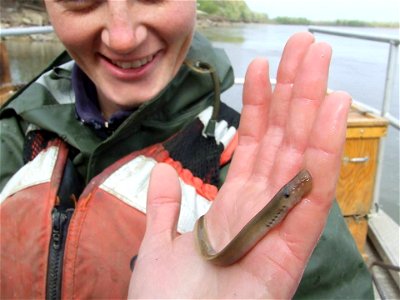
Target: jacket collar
[(87, 106)]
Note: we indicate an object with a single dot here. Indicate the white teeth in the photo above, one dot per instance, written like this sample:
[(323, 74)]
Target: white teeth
[(134, 64)]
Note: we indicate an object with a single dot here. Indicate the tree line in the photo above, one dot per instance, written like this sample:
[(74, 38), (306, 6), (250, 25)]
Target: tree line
[(234, 11), (226, 10)]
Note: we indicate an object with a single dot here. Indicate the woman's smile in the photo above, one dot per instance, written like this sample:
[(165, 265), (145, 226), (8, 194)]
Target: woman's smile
[(130, 69)]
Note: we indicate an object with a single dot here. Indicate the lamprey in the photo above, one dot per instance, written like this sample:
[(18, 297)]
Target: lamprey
[(271, 215)]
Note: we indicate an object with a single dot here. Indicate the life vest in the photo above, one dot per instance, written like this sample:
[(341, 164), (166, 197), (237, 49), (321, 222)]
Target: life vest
[(86, 252)]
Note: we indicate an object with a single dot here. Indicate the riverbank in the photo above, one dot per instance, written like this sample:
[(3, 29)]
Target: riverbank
[(26, 17)]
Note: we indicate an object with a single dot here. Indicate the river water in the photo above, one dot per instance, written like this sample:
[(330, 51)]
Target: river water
[(358, 67)]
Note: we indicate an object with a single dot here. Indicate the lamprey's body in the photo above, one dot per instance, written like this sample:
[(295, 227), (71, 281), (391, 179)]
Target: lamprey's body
[(271, 215)]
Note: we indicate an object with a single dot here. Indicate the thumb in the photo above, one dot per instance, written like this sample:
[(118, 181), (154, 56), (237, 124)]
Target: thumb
[(162, 212), (163, 203)]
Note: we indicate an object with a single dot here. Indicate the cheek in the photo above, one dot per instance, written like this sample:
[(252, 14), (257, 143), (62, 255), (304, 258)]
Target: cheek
[(181, 19), (70, 37), (74, 33)]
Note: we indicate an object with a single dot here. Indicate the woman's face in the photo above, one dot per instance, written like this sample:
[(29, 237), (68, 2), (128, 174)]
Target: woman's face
[(130, 49)]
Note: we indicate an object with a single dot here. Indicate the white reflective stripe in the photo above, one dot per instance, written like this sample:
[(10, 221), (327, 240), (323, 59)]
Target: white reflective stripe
[(61, 90), (223, 133), (205, 115), (193, 206), (130, 184), (37, 171)]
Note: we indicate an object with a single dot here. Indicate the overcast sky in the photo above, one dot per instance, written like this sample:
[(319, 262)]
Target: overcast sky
[(330, 10)]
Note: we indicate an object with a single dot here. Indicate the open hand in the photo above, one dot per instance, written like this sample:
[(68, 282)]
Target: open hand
[(294, 126)]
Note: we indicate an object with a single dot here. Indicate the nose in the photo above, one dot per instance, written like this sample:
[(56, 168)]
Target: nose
[(122, 33)]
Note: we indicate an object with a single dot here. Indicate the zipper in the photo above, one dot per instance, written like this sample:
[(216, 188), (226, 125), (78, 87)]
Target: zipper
[(60, 222)]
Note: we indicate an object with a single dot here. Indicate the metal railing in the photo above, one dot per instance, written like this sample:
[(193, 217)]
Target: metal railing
[(25, 30), (391, 68)]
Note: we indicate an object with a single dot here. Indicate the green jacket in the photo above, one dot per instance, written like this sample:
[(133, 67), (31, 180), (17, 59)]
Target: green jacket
[(335, 270)]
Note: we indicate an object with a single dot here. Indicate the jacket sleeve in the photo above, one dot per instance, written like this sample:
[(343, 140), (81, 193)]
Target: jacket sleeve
[(336, 269), (11, 148)]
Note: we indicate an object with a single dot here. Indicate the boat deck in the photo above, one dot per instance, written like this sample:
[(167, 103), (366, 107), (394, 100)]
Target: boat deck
[(382, 255), (385, 282)]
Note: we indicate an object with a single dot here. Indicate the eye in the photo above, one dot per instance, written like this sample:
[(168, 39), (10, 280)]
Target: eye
[(152, 1), (286, 193), (80, 5)]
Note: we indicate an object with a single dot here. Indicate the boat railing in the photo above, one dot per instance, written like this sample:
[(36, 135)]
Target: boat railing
[(391, 66), (382, 229), (16, 31), (391, 69)]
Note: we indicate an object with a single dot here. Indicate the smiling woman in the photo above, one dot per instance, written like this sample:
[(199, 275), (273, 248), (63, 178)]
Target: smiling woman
[(130, 60)]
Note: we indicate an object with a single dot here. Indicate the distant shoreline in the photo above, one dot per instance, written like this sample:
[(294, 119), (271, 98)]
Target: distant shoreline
[(27, 17), (212, 20)]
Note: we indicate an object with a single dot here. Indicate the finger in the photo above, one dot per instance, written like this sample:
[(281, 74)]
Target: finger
[(312, 77), (162, 212), (163, 203), (292, 56), (325, 149), (323, 157), (256, 96), (308, 91)]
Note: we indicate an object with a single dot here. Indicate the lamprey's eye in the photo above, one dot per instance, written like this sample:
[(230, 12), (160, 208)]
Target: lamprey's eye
[(286, 193)]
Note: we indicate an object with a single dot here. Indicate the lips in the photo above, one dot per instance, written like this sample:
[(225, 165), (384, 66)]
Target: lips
[(135, 64), (124, 68)]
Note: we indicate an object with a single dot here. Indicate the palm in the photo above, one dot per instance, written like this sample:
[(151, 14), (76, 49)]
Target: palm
[(281, 131)]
